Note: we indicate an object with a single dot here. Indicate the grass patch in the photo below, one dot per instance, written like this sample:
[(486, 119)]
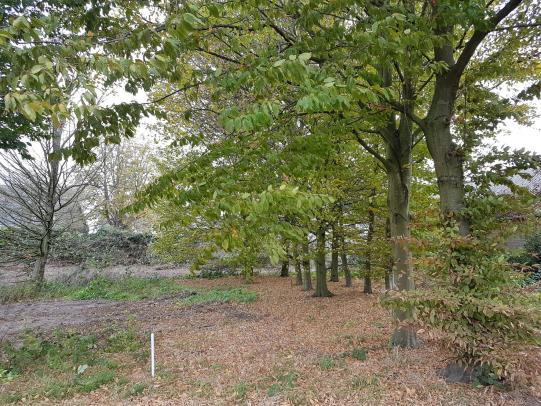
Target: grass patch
[(221, 295), (241, 389), (361, 382), (283, 383), (64, 364), (128, 288), (359, 354), (136, 389), (326, 362)]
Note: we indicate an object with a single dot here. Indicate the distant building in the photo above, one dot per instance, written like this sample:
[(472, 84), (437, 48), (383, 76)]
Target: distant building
[(533, 185)]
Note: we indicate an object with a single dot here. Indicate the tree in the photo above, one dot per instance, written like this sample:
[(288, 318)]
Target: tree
[(41, 196), (121, 172)]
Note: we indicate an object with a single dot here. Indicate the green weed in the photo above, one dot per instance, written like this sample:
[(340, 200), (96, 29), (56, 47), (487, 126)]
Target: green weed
[(326, 362)]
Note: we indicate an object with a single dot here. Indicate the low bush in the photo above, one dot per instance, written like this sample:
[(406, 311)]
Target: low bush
[(529, 260), (106, 247)]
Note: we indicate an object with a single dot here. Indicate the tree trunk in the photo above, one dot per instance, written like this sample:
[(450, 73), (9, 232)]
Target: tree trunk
[(306, 267), (298, 270), (399, 172), (334, 255), (321, 269), (404, 336), (389, 270), (345, 267), (369, 237), (446, 154), (38, 273), (284, 271), (53, 164)]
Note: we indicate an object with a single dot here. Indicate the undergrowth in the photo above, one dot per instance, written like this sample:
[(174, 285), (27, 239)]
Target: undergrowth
[(128, 288), (64, 364)]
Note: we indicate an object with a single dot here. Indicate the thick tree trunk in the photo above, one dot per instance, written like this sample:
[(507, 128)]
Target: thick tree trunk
[(399, 172), (307, 280), (404, 336), (345, 267), (321, 269), (447, 156), (334, 255)]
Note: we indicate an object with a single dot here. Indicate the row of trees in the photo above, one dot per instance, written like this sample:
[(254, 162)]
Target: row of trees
[(287, 120)]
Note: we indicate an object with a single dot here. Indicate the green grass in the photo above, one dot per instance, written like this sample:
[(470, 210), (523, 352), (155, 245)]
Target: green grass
[(326, 362), (128, 288), (64, 364), (283, 383), (359, 354), (221, 295)]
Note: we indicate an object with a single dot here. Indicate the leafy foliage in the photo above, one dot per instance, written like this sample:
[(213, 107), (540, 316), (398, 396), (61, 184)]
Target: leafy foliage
[(475, 296), (107, 246)]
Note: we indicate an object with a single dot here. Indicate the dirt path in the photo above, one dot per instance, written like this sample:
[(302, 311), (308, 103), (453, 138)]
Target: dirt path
[(49, 315)]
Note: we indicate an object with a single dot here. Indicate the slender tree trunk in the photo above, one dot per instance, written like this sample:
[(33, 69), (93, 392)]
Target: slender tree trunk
[(345, 267), (38, 272), (284, 271), (298, 269), (369, 238), (307, 282), (51, 199), (334, 255), (389, 270), (321, 269)]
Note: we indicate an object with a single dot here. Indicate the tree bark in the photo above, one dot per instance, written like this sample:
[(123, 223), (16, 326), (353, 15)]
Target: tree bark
[(446, 154), (345, 267), (399, 173), (334, 255), (369, 237), (53, 164), (284, 271), (389, 284), (298, 269), (307, 280), (38, 273), (321, 269)]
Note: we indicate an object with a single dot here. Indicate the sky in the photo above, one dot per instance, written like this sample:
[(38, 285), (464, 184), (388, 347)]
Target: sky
[(519, 136)]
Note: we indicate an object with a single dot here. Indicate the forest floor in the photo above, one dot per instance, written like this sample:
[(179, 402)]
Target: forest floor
[(284, 348)]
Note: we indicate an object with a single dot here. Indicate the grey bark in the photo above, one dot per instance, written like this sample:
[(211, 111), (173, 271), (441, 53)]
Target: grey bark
[(334, 255), (298, 268), (321, 269), (307, 280), (345, 266)]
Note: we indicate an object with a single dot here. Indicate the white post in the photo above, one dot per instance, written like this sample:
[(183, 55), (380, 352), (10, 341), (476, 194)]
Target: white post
[(152, 357)]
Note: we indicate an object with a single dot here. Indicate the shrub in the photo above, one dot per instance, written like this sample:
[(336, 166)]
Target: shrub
[(477, 300), (108, 246), (529, 261)]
